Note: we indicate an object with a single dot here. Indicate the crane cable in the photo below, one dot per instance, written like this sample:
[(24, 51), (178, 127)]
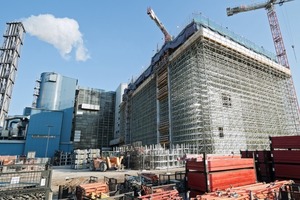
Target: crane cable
[(288, 27)]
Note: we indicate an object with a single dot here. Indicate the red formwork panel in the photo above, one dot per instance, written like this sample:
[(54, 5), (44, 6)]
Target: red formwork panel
[(230, 164), (263, 156), (232, 178), (287, 171), (247, 154), (194, 193), (196, 181), (195, 165), (221, 164), (259, 155), (220, 180), (264, 169), (285, 142), (286, 156)]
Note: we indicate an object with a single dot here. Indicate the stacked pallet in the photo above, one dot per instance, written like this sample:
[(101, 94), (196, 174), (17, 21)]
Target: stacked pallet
[(92, 190), (62, 158), (80, 159), (93, 153), (286, 157), (269, 191), (263, 164), (212, 172)]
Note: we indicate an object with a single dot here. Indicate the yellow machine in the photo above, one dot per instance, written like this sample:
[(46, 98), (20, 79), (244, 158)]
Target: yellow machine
[(106, 161)]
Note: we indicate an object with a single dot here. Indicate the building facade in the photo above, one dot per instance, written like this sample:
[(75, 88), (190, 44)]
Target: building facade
[(212, 89), (118, 139), (55, 92), (94, 118)]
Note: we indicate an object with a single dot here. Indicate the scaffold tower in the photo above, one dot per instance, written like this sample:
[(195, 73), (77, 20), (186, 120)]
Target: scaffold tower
[(9, 56)]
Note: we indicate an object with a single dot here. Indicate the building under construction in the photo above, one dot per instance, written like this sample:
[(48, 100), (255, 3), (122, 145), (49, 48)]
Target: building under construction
[(212, 89)]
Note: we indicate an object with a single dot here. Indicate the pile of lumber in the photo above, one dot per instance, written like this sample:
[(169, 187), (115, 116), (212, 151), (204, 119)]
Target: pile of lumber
[(92, 190), (269, 191)]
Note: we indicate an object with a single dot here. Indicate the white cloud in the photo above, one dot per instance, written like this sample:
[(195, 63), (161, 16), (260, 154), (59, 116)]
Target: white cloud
[(62, 33)]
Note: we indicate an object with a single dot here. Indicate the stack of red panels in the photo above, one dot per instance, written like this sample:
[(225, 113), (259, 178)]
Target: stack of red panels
[(286, 157), (219, 172), (263, 164)]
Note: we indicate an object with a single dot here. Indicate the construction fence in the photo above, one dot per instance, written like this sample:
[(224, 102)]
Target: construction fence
[(24, 178)]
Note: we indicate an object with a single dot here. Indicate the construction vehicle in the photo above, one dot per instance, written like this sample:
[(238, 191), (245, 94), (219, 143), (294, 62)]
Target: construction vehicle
[(108, 160)]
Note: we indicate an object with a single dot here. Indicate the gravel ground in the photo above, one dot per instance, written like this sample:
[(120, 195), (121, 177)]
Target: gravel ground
[(64, 175)]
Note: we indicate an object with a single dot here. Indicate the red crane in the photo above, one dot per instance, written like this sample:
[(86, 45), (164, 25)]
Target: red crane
[(275, 29), (274, 25), (152, 15)]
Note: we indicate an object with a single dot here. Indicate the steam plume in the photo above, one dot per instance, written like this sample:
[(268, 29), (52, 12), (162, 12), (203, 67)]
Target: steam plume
[(62, 33)]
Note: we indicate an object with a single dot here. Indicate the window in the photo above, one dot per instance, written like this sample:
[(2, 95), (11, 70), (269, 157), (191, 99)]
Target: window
[(226, 100), (221, 133)]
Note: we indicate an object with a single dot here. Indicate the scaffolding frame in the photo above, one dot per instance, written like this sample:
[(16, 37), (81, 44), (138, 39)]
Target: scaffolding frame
[(9, 56), (217, 92), (225, 97)]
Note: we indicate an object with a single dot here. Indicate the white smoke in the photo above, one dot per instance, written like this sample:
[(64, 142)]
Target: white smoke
[(62, 33)]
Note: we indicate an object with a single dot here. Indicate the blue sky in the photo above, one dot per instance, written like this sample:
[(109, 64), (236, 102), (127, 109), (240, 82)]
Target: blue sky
[(119, 37)]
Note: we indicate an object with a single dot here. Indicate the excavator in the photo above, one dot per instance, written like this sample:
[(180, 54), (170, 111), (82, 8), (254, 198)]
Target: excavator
[(107, 161)]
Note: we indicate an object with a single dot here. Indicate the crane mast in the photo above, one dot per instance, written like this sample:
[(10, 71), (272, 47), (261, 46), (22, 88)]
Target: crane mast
[(152, 15), (273, 22)]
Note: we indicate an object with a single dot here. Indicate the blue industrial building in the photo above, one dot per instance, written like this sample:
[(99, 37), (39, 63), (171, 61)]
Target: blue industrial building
[(50, 121)]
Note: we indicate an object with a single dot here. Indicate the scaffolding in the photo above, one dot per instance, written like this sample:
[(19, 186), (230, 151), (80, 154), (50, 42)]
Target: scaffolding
[(156, 156), (215, 91), (225, 97), (9, 56)]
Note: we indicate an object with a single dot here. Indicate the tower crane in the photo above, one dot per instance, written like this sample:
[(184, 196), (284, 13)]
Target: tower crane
[(274, 25), (152, 15)]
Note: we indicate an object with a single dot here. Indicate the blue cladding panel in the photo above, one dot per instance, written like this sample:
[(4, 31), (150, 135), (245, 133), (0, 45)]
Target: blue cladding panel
[(11, 147), (57, 92), (40, 126)]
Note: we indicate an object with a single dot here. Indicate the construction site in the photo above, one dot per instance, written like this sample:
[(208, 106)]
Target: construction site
[(213, 117), (213, 89)]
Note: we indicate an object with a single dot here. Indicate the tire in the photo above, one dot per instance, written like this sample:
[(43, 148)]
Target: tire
[(92, 167), (103, 167)]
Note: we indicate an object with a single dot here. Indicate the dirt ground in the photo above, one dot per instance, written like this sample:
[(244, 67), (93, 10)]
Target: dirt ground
[(64, 175)]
